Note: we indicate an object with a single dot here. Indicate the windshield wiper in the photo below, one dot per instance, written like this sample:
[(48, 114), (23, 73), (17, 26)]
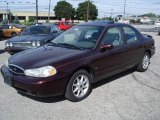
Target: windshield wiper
[(53, 44), (69, 46)]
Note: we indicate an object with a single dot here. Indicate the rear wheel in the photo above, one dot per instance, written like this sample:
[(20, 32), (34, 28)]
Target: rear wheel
[(79, 86), (144, 64), (14, 34)]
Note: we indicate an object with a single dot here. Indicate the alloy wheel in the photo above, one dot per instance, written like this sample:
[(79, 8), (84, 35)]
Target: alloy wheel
[(80, 86), (145, 62)]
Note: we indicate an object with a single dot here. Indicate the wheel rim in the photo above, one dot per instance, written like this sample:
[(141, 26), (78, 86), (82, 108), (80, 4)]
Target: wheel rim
[(80, 86), (145, 62), (14, 34)]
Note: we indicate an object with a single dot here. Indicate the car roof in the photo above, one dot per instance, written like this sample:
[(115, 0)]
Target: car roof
[(102, 23), (39, 26), (46, 24)]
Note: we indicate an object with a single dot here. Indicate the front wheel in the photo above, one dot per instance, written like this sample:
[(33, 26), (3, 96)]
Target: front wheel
[(79, 86), (144, 64)]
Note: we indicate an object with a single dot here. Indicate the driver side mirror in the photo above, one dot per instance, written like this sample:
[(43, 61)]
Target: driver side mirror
[(106, 47), (54, 31)]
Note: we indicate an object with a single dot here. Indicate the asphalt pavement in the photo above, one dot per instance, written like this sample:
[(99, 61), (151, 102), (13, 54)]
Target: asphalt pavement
[(130, 95)]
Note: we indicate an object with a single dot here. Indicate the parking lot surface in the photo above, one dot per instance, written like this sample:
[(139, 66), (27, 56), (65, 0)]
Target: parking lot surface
[(1, 39), (129, 95)]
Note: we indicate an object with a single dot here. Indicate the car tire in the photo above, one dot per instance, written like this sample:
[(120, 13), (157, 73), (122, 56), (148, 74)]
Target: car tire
[(144, 64), (14, 34), (79, 86)]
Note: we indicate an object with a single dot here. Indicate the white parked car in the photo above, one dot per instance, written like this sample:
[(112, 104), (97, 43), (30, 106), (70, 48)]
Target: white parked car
[(157, 24)]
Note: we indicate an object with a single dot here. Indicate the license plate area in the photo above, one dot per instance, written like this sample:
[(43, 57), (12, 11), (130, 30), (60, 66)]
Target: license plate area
[(8, 81)]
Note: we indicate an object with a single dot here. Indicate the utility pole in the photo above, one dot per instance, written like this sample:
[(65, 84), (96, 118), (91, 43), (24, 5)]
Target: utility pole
[(37, 11), (88, 10), (7, 13), (124, 12), (7, 7), (49, 11), (111, 12)]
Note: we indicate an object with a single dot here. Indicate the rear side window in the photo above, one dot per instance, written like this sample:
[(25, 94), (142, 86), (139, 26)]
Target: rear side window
[(130, 35)]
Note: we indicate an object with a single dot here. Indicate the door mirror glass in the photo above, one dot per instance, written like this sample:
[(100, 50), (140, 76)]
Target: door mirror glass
[(54, 31)]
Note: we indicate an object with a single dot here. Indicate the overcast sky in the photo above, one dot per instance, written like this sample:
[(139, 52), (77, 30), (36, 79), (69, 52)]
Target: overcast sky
[(105, 7)]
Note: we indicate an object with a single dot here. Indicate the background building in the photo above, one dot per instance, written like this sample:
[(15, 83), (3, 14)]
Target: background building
[(24, 15), (4, 14)]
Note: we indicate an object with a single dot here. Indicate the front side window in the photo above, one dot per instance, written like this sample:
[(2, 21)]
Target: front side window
[(130, 35), (84, 37), (112, 37), (64, 23)]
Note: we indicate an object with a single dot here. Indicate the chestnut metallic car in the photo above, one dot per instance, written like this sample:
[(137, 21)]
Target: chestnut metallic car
[(80, 56), (11, 30)]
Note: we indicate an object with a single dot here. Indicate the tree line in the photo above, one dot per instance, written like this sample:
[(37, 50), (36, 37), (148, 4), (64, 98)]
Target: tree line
[(65, 10)]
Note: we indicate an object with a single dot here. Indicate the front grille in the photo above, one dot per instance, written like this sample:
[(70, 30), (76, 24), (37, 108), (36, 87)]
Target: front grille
[(16, 69), (22, 44)]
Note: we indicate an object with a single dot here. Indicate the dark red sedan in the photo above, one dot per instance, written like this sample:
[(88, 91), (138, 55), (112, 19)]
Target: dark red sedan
[(80, 56)]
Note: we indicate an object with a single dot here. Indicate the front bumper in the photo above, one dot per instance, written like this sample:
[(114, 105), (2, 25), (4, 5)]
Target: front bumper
[(13, 50), (40, 87)]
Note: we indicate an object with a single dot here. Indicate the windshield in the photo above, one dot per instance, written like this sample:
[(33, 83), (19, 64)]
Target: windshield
[(36, 30), (84, 37)]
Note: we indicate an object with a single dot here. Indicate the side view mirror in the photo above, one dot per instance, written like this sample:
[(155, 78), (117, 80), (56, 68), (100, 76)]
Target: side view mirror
[(106, 47), (54, 31)]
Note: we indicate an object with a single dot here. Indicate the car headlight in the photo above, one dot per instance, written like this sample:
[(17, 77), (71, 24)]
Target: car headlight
[(11, 44), (33, 44), (7, 44), (36, 44), (45, 71)]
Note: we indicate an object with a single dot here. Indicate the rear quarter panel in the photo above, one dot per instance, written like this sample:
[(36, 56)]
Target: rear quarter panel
[(149, 44)]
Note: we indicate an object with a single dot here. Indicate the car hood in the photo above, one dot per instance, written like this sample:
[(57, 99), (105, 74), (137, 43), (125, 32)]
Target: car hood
[(42, 56), (26, 38)]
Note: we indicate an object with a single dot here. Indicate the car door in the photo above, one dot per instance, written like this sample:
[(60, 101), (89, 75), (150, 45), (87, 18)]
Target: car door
[(134, 45), (112, 60), (9, 31), (6, 30)]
